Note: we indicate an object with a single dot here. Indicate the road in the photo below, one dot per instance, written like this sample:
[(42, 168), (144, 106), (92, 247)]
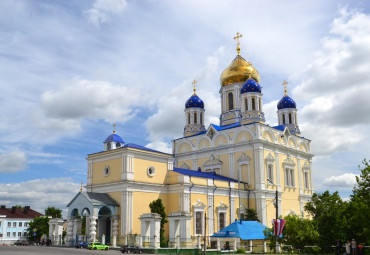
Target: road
[(37, 250)]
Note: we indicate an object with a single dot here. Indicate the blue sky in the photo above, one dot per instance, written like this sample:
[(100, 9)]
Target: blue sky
[(70, 69)]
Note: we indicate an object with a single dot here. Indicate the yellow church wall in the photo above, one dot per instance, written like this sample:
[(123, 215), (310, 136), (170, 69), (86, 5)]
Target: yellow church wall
[(141, 171), (114, 175), (244, 168), (221, 184), (199, 181), (141, 201), (225, 164), (173, 204)]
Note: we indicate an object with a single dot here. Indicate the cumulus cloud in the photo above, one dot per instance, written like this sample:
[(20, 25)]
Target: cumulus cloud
[(347, 180), (89, 99), (160, 146), (12, 162), (39, 193), (102, 9)]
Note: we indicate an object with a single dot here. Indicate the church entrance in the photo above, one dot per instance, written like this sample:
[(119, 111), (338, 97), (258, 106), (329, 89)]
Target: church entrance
[(105, 224)]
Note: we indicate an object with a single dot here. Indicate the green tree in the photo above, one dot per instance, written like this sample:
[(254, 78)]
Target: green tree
[(250, 214), (157, 207), (53, 212), (359, 206), (39, 226), (299, 232), (328, 213)]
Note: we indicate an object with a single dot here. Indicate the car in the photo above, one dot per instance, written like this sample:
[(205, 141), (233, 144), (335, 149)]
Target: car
[(81, 245), (21, 243), (97, 246), (131, 249)]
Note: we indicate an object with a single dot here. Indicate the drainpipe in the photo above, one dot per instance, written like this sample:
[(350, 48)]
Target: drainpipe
[(213, 206), (192, 185), (230, 202)]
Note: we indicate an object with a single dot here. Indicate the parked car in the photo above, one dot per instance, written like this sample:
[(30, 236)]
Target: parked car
[(97, 246), (81, 245), (131, 249), (21, 243)]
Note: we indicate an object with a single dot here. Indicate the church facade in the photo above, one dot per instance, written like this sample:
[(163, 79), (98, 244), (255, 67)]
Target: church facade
[(213, 175)]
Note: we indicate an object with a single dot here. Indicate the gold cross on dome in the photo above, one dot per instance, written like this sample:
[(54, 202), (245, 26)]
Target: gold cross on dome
[(237, 42), (114, 128), (285, 83), (194, 82)]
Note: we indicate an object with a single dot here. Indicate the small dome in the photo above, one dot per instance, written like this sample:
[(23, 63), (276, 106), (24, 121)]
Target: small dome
[(238, 72), (250, 86), (115, 138), (286, 102), (194, 102)]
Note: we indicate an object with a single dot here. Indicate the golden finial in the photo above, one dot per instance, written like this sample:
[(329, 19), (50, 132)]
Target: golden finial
[(114, 128), (237, 42), (285, 83), (81, 187), (194, 82)]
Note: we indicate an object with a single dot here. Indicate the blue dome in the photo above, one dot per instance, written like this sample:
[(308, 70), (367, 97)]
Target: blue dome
[(194, 102), (114, 138), (286, 102), (250, 86)]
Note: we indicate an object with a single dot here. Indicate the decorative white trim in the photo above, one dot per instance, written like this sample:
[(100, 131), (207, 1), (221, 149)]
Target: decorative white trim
[(151, 171)]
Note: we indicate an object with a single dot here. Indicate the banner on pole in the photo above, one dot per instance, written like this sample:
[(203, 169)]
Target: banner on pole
[(278, 226)]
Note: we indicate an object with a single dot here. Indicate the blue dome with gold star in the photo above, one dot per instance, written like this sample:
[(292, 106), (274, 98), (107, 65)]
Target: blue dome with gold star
[(286, 102), (250, 86), (194, 102)]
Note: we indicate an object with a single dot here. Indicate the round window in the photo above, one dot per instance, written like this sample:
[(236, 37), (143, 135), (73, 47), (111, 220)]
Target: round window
[(106, 170), (151, 171)]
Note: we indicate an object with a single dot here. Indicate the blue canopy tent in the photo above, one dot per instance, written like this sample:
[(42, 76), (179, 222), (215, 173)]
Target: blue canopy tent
[(245, 230)]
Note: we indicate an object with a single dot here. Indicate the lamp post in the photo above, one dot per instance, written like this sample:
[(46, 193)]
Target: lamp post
[(277, 214), (205, 231)]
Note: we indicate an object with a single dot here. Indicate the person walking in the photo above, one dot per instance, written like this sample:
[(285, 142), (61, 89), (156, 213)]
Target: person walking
[(348, 247), (354, 247), (338, 245)]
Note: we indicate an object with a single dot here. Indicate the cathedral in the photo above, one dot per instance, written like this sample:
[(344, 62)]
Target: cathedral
[(212, 176)]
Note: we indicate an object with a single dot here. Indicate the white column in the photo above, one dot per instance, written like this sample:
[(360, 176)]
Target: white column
[(93, 228), (232, 210), (115, 230), (69, 231)]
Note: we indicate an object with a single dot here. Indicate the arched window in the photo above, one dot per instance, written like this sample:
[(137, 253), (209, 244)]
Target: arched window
[(109, 146), (290, 118), (195, 118), (201, 118), (230, 97), (246, 104), (270, 174), (221, 219), (283, 119), (198, 223), (253, 104), (188, 118)]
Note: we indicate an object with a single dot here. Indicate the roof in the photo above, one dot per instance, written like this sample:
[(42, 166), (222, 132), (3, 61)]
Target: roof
[(245, 230), (250, 86), (194, 102), (286, 102), (96, 198), (19, 213), (136, 146), (208, 175), (114, 138), (280, 127)]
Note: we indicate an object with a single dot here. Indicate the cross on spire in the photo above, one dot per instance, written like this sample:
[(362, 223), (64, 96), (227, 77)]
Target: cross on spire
[(285, 83), (114, 128), (81, 187), (194, 82), (237, 42)]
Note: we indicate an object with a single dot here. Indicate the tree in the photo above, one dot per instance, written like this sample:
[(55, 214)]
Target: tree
[(53, 212), (359, 207), (299, 232), (328, 212), (157, 207), (37, 227), (250, 214)]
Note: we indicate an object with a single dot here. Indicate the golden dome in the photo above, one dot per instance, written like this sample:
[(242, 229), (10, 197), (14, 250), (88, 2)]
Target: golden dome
[(238, 72)]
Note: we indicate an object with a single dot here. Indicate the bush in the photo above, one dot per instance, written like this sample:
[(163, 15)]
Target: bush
[(240, 251)]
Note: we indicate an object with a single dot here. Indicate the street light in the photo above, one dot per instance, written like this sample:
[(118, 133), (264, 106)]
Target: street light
[(205, 230), (277, 213)]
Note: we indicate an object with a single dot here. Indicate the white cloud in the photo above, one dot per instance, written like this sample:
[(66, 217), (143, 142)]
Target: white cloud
[(39, 193), (160, 146), (90, 99), (347, 180), (101, 10), (12, 162)]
